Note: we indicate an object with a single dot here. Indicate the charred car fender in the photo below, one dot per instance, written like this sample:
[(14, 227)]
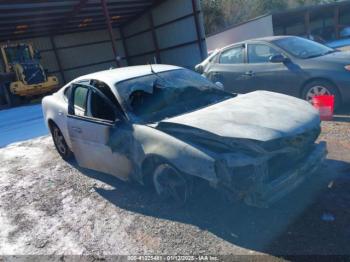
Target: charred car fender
[(138, 142)]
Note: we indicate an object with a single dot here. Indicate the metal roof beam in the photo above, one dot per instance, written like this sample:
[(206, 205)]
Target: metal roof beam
[(68, 17), (48, 29), (12, 37)]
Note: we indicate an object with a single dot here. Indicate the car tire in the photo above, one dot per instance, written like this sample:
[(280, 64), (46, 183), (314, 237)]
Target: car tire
[(60, 143), (171, 185), (322, 87)]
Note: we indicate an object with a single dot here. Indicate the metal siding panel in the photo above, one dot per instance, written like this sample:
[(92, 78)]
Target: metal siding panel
[(81, 38), (296, 29), (142, 60), (187, 56), (120, 48), (171, 10), (116, 32), (140, 44), (138, 25), (123, 62), (177, 33), (84, 55), (48, 61), (39, 43), (71, 74)]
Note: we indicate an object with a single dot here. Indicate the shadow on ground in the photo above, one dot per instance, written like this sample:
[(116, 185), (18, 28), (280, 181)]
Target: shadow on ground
[(292, 226)]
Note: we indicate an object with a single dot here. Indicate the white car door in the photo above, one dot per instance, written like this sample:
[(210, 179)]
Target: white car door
[(90, 120)]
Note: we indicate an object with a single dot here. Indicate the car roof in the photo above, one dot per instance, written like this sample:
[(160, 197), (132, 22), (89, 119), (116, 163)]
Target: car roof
[(265, 39), (113, 76), (270, 38)]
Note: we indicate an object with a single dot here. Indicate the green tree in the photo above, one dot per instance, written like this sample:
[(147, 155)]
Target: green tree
[(219, 14)]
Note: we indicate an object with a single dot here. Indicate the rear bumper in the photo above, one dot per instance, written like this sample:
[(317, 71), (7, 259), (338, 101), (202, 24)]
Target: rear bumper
[(264, 195)]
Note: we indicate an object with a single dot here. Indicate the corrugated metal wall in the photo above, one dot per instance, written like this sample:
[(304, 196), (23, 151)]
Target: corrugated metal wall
[(167, 32), (174, 34), (78, 53)]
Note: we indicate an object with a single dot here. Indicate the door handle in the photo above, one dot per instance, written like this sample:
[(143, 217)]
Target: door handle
[(77, 129), (249, 73)]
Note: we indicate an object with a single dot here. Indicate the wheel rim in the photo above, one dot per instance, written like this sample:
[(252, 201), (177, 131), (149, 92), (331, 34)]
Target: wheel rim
[(316, 91), (170, 184), (59, 141)]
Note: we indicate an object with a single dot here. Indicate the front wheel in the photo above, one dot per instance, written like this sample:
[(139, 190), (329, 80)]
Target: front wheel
[(60, 143), (317, 88), (171, 184)]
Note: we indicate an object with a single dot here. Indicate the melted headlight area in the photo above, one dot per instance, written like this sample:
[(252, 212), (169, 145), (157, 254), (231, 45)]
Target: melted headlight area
[(238, 174), (255, 165)]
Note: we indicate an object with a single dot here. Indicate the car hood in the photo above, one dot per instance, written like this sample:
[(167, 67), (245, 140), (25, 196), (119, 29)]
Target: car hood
[(259, 115), (336, 57)]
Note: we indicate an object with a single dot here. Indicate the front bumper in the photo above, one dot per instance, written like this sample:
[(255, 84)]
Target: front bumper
[(21, 89), (265, 194)]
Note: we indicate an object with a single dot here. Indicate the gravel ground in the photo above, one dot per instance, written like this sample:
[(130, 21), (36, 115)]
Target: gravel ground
[(49, 206)]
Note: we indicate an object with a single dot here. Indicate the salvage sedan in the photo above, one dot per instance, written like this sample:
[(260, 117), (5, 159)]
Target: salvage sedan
[(171, 127)]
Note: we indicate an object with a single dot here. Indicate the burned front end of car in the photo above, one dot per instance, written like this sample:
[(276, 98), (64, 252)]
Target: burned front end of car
[(260, 173)]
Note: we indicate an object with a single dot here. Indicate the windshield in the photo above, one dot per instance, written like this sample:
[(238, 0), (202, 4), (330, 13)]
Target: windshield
[(303, 48), (18, 54), (154, 97)]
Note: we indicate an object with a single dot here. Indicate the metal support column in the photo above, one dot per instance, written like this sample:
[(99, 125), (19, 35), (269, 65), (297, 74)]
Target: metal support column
[(110, 30), (59, 64), (199, 37), (336, 22), (307, 23), (126, 51), (154, 37)]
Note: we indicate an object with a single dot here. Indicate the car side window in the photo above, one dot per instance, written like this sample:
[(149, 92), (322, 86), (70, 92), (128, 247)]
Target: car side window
[(232, 56), (260, 53), (105, 89), (80, 100), (99, 108)]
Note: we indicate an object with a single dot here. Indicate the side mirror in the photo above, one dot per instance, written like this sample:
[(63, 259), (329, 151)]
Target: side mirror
[(199, 69), (220, 85), (37, 55), (278, 59)]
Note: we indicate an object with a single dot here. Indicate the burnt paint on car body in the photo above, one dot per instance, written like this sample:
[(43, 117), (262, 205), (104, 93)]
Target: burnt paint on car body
[(238, 133), (230, 143)]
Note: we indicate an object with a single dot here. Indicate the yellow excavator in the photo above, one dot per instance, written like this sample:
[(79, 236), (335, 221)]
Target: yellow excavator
[(22, 76)]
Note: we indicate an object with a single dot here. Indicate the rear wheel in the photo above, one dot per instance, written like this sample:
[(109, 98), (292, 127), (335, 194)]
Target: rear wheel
[(170, 184), (60, 143), (321, 87)]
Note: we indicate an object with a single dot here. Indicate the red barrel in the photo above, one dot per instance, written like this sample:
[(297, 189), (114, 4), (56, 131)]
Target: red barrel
[(325, 105)]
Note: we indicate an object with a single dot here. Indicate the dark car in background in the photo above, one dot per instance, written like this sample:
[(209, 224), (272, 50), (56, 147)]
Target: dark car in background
[(284, 64), (342, 44)]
